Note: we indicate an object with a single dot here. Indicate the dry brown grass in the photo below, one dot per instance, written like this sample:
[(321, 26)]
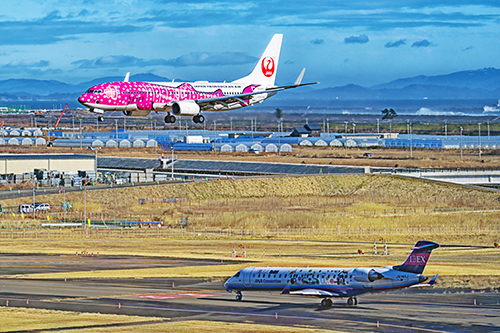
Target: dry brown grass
[(21, 319)]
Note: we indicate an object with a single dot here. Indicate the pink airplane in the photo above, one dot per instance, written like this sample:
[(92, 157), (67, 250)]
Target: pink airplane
[(138, 99)]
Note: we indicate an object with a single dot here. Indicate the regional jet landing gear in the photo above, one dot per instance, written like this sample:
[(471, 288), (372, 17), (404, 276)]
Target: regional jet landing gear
[(199, 119), (352, 301), (239, 296), (100, 119), (169, 119), (326, 303)]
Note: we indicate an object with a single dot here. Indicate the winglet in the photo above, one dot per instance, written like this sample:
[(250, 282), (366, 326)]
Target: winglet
[(299, 79), (126, 77)]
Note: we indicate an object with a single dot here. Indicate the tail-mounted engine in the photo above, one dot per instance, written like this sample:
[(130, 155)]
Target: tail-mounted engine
[(366, 275), (185, 108)]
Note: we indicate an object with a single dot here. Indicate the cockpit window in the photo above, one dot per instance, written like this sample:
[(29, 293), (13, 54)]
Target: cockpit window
[(237, 274)]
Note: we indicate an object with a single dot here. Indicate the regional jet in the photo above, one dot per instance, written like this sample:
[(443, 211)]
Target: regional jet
[(329, 282), (138, 99)]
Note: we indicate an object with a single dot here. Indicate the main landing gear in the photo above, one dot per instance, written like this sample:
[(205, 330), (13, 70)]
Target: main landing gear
[(326, 303), (169, 119), (352, 301), (239, 296), (199, 119), (100, 119)]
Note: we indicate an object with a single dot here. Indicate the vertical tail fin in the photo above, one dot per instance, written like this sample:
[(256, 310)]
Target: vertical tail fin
[(416, 261), (264, 73)]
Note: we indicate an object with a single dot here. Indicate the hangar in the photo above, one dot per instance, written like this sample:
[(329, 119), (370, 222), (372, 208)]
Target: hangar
[(21, 163)]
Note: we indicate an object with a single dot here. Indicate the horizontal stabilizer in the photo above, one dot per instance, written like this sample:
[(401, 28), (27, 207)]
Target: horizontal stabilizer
[(429, 284)]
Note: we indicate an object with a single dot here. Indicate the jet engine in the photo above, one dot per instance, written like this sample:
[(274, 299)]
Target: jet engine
[(140, 113), (366, 275), (185, 108)]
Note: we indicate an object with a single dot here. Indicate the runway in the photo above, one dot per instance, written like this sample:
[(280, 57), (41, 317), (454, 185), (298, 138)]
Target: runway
[(410, 310)]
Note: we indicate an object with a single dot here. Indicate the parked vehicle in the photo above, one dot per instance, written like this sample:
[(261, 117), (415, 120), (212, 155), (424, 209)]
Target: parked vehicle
[(42, 206), (23, 208)]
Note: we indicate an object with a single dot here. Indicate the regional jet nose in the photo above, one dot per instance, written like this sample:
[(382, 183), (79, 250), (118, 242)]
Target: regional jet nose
[(422, 278)]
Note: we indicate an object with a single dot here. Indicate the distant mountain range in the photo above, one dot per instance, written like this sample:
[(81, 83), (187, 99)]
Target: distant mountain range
[(472, 84)]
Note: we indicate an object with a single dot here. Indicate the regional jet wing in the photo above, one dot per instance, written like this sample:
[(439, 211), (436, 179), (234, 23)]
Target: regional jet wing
[(313, 292)]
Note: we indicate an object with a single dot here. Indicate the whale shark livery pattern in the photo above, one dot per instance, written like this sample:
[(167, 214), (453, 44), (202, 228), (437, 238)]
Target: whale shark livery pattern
[(139, 99)]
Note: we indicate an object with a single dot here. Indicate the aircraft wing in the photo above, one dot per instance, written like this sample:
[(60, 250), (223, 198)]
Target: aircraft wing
[(314, 292), (242, 98)]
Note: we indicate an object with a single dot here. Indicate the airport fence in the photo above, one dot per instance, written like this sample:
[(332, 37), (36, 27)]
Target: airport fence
[(222, 233)]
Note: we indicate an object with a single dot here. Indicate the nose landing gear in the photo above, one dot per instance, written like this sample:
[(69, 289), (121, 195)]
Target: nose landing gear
[(239, 296)]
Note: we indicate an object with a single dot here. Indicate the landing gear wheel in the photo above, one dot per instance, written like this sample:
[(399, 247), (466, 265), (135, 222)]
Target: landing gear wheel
[(239, 296), (169, 119), (326, 303), (199, 119), (100, 119), (352, 301), (355, 300)]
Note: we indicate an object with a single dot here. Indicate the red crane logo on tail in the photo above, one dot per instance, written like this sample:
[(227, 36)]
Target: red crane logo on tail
[(268, 66)]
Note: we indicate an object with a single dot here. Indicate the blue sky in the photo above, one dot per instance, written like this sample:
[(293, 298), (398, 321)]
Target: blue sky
[(363, 42)]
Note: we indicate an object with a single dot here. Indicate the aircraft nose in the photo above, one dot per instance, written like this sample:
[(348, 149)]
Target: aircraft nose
[(422, 278)]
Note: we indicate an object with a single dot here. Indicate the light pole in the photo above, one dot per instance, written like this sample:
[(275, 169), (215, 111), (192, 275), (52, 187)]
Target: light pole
[(411, 145), (95, 150), (116, 129), (279, 135), (353, 128), (446, 130), (378, 126), (81, 135), (488, 122), (345, 138), (156, 143), (479, 139), (215, 137), (461, 130)]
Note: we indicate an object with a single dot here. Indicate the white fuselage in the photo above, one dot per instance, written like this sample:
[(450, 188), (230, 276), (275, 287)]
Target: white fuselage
[(340, 282)]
